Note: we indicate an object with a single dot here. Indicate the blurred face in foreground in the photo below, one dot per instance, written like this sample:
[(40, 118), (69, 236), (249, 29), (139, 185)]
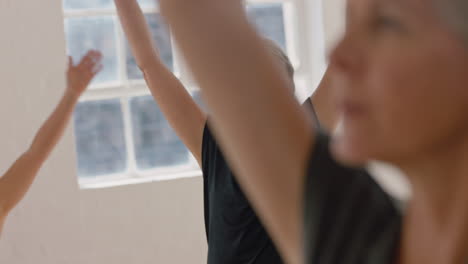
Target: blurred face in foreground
[(400, 80)]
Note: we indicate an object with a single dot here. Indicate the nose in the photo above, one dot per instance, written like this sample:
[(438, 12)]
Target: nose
[(348, 55)]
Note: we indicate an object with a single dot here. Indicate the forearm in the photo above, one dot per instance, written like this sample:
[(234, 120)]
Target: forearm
[(175, 102), (15, 183), (17, 180), (52, 130), (262, 129)]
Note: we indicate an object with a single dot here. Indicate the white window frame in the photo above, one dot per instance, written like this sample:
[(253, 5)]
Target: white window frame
[(297, 43)]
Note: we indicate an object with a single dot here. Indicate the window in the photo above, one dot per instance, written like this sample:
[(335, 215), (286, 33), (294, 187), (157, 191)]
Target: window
[(269, 19), (120, 131)]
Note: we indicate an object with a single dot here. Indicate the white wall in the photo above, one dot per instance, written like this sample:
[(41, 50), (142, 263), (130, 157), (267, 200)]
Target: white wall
[(160, 222), (44, 228), (334, 19)]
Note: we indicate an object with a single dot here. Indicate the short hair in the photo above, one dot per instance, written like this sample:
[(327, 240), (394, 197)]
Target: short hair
[(281, 55)]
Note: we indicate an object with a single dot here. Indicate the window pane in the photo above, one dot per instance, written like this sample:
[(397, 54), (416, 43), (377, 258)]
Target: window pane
[(148, 3), (269, 19), (94, 33), (102, 4), (87, 4), (162, 40), (196, 95), (156, 144), (100, 140)]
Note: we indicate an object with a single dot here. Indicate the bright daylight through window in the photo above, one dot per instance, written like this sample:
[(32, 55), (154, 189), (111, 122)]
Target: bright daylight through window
[(119, 130)]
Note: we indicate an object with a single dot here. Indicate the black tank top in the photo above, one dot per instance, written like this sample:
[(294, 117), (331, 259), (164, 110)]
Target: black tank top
[(234, 232), (349, 218)]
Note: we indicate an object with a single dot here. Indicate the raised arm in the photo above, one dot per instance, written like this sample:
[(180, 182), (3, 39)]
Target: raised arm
[(17, 180), (184, 115), (263, 131)]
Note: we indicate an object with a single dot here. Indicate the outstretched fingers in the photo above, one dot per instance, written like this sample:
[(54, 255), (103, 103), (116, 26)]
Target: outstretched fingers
[(90, 65), (80, 76)]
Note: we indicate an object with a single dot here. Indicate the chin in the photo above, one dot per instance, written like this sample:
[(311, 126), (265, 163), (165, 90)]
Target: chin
[(350, 150)]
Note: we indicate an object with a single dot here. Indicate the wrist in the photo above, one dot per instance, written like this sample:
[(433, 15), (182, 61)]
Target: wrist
[(71, 94)]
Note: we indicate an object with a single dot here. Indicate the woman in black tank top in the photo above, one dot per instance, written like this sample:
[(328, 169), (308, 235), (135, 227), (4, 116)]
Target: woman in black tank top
[(400, 76)]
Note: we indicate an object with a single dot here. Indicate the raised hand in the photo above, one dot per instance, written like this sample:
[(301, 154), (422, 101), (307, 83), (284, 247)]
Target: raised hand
[(79, 76), (17, 180)]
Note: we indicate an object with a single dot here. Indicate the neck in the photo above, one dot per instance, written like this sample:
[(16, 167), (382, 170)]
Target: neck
[(437, 218)]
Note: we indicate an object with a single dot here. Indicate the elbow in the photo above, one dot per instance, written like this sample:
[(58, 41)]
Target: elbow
[(5, 205), (143, 67), (3, 209), (144, 70), (148, 62), (36, 152)]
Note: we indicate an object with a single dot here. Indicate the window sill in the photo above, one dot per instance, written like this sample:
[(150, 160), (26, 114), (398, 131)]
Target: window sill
[(129, 179)]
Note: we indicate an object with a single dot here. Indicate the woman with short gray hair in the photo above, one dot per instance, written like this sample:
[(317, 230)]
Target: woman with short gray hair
[(400, 76)]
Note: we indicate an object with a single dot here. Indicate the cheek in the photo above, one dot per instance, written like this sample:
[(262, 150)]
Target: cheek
[(416, 98), (401, 72), (396, 86)]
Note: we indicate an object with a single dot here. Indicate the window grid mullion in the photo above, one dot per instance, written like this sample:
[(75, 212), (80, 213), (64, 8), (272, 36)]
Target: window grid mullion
[(125, 89), (125, 99), (128, 132), (102, 12), (291, 33), (115, 92), (180, 70), (175, 55), (267, 1)]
